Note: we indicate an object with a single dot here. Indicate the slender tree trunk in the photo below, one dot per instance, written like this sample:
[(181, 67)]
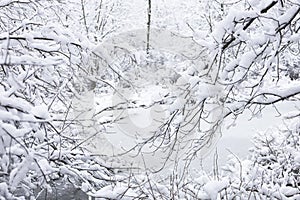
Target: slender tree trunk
[(148, 26), (84, 17)]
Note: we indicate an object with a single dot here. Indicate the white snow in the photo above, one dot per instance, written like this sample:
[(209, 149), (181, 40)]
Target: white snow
[(212, 188), (4, 115), (5, 2), (45, 166), (286, 17), (247, 59), (297, 157), (30, 60), (4, 191), (11, 129), (120, 191), (40, 111), (289, 191), (21, 110), (177, 104)]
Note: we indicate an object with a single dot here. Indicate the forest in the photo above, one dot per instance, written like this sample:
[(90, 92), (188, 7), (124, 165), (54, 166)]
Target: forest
[(125, 99)]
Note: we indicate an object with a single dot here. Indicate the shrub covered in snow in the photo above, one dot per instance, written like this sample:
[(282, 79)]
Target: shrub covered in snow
[(272, 170), (276, 165)]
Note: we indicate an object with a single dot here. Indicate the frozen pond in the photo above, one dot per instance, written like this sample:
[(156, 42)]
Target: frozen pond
[(235, 140)]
